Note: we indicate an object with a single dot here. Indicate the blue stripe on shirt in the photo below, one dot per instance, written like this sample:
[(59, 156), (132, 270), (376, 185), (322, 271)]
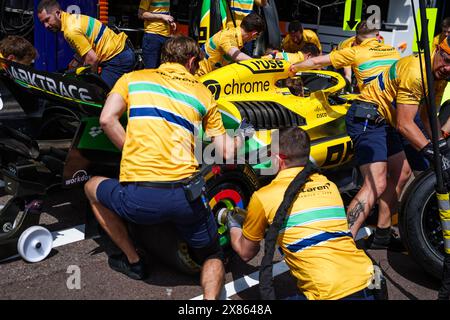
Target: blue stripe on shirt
[(315, 240), (100, 34), (162, 114)]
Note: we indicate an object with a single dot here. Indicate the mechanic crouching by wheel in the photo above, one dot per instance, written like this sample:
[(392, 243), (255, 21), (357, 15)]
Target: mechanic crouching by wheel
[(314, 238), (94, 42), (165, 108), (387, 108)]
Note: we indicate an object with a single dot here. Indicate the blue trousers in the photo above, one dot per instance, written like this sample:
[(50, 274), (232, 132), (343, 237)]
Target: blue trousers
[(151, 49)]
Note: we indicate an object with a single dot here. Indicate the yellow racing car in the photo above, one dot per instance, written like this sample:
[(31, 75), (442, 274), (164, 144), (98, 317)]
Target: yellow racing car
[(263, 92)]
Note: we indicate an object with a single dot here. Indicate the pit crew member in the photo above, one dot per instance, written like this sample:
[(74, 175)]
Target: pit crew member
[(316, 242), (391, 101), (165, 107), (17, 49), (224, 47), (158, 25), (298, 37), (94, 42)]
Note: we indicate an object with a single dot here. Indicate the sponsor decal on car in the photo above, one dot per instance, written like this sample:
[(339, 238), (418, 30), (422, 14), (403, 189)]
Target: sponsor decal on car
[(264, 66), (78, 177)]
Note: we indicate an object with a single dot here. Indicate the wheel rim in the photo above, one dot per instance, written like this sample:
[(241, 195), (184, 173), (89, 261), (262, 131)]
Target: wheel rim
[(229, 199), (35, 243), (431, 226)]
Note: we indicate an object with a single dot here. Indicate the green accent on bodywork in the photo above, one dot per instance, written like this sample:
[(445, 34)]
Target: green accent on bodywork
[(224, 240), (263, 165), (95, 140), (26, 85), (228, 122)]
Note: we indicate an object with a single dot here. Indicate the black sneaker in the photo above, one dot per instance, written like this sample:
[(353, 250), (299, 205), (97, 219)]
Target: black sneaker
[(391, 243), (136, 271)]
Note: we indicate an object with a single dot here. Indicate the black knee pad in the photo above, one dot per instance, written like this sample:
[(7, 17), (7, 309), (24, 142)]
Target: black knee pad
[(212, 251)]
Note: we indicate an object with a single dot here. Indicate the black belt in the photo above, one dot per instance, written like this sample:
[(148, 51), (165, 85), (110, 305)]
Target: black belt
[(162, 185), (357, 102), (361, 294)]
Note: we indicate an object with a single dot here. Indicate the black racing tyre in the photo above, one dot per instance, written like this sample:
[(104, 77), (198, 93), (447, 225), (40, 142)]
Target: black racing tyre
[(419, 224), (229, 186)]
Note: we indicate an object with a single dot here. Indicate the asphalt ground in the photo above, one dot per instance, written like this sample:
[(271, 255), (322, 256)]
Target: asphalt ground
[(51, 278)]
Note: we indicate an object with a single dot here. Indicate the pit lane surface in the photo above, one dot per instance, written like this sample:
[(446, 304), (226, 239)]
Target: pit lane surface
[(48, 279)]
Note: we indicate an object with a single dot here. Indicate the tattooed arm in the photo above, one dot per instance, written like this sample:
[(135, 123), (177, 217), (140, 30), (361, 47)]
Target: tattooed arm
[(354, 212)]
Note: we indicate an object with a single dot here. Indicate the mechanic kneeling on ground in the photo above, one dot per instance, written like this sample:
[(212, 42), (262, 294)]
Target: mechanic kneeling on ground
[(388, 106), (165, 106), (224, 46), (94, 42), (316, 241)]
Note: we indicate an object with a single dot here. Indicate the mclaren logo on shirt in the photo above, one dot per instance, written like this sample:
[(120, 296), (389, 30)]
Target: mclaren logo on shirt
[(264, 66)]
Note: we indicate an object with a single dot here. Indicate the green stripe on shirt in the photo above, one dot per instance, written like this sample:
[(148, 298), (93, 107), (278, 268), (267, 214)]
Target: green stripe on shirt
[(393, 71), (160, 4), (90, 27), (138, 87), (378, 63), (310, 216)]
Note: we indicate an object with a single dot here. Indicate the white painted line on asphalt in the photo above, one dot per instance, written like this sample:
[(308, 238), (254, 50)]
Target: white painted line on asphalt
[(61, 205), (67, 236), (248, 281)]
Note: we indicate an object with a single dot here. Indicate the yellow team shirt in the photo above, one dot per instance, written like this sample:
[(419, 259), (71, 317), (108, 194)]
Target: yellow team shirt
[(347, 43), (166, 109), (309, 36), (437, 40), (156, 7), (315, 239), (84, 33), (2, 65), (400, 84), (367, 59), (290, 57), (216, 49), (240, 9)]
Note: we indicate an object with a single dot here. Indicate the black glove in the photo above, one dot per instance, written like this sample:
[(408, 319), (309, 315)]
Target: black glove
[(428, 153), (245, 129), (234, 220)]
